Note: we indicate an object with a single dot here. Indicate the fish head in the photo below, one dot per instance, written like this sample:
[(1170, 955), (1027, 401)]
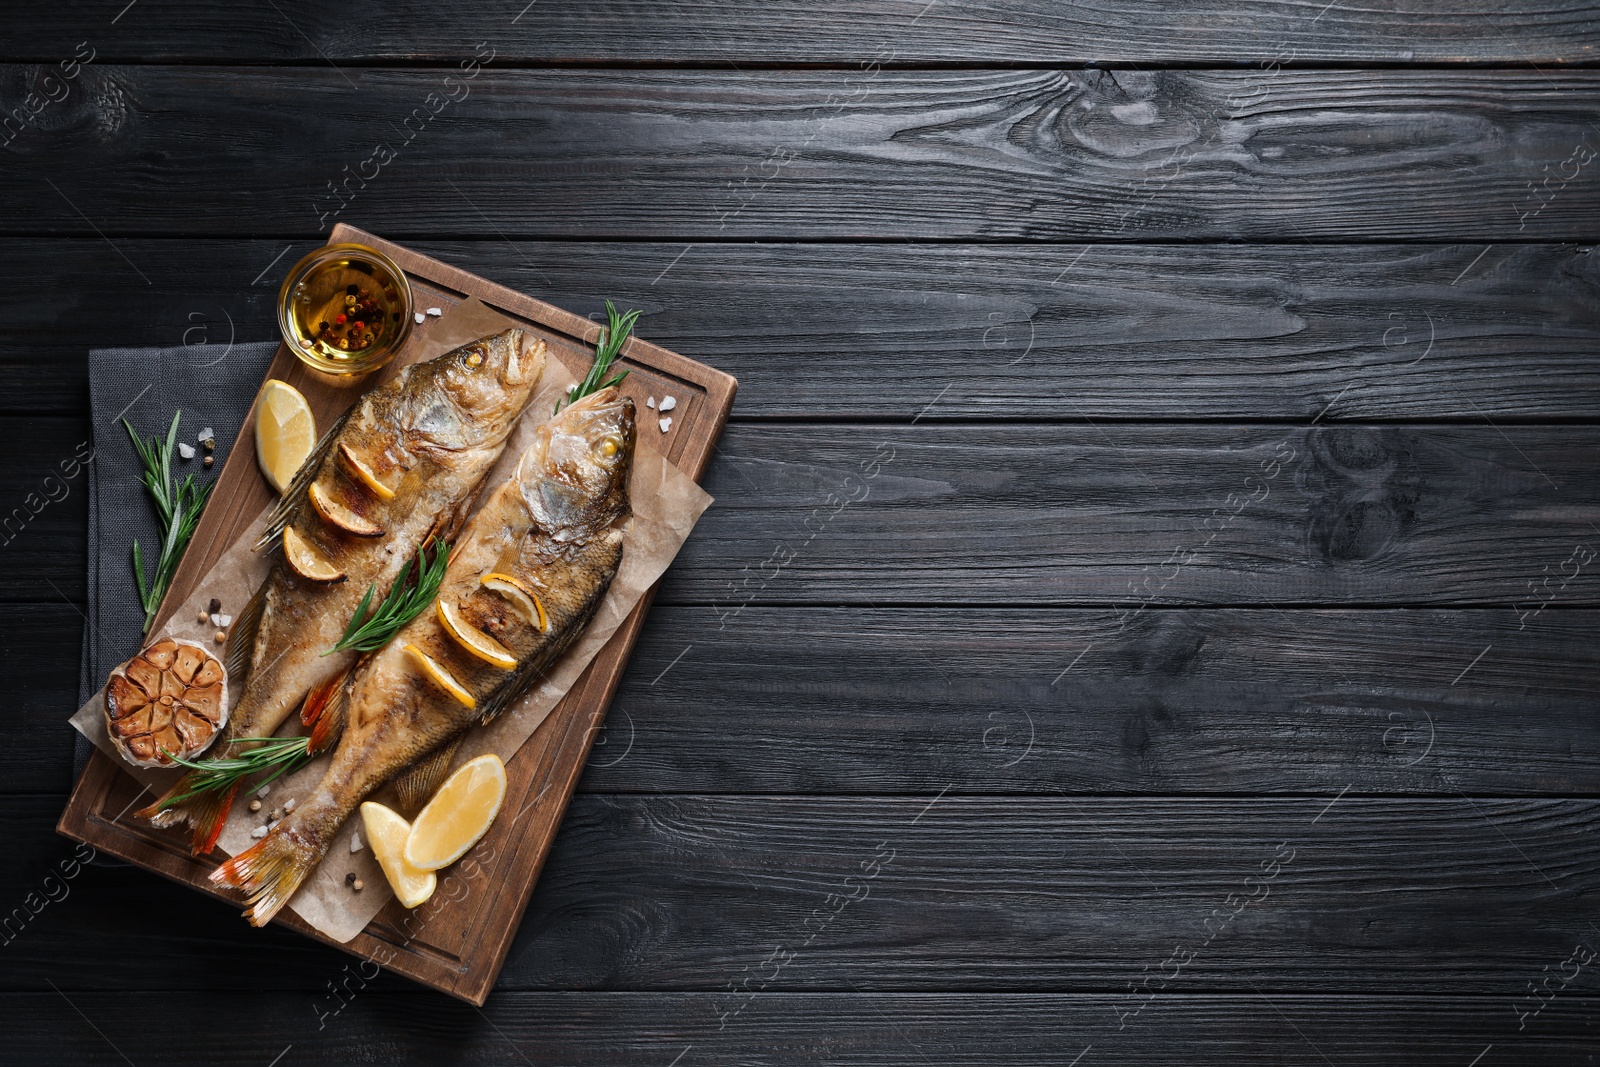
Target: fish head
[(488, 383), (576, 472)]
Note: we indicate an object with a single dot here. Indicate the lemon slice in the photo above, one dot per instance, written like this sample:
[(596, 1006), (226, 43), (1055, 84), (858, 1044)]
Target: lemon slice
[(306, 560), (521, 597), (441, 677), (387, 833), (473, 639), (285, 432), (459, 813), (365, 473), (339, 515)]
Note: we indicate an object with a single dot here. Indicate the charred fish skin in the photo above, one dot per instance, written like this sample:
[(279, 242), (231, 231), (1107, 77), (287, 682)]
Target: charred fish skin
[(401, 468), (556, 527)]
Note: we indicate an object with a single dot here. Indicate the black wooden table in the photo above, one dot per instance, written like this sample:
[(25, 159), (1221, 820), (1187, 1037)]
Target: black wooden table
[(1149, 614)]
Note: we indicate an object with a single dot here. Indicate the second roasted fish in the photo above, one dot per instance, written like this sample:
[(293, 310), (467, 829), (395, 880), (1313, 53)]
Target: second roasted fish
[(527, 575)]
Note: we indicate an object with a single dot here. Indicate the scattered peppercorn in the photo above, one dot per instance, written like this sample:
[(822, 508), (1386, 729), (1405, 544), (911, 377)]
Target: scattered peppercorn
[(255, 805), (209, 460), (213, 607), (202, 618), (221, 637)]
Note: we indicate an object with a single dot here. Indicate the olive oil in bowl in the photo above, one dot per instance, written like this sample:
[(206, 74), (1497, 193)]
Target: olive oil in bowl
[(345, 309)]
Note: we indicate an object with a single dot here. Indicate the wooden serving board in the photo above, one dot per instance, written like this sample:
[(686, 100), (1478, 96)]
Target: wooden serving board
[(457, 942)]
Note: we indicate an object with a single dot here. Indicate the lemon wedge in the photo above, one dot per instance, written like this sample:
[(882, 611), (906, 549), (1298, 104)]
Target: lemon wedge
[(458, 815), (285, 432), (387, 833), (522, 599), (306, 560), (339, 515), (441, 677), (364, 473), (473, 639)]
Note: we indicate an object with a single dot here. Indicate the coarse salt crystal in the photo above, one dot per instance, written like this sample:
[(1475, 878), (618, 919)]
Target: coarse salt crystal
[(264, 790), (419, 316), (288, 805), (668, 403), (185, 450), (650, 403), (666, 424), (355, 842), (435, 312), (224, 620), (205, 434), (259, 832)]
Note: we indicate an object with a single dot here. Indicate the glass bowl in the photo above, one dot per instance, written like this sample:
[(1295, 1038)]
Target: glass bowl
[(345, 309)]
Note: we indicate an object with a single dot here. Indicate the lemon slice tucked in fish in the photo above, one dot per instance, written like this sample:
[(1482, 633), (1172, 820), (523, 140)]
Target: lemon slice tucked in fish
[(474, 640), (441, 677), (306, 560), (364, 473), (339, 515), (523, 600), (458, 815), (387, 833)]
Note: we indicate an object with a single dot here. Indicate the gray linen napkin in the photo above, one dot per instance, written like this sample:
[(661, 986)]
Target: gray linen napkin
[(213, 385)]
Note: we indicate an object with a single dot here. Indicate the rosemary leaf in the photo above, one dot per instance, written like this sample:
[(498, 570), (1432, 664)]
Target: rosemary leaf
[(177, 510), (277, 754), (405, 601), (612, 336)]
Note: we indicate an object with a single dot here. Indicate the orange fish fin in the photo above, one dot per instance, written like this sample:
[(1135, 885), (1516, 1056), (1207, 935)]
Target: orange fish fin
[(206, 813), (269, 872), (316, 701), (328, 726)]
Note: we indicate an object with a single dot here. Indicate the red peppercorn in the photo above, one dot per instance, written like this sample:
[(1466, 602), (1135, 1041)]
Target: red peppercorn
[(358, 326), (339, 319)]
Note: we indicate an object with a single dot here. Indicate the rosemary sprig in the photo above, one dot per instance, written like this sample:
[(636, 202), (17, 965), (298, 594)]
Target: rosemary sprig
[(177, 507), (277, 754), (612, 335), (368, 633)]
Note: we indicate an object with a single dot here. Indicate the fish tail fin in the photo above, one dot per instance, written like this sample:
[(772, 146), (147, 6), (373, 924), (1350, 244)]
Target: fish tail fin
[(269, 872), (205, 813)]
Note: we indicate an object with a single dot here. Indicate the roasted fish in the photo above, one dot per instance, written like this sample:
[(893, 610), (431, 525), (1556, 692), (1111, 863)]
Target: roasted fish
[(399, 470), (524, 580)]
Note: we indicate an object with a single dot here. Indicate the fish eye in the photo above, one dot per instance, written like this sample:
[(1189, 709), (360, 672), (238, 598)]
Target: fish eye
[(474, 358), (609, 446)]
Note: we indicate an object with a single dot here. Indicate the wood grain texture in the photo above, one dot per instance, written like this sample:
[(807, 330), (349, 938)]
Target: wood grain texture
[(1062, 155), (1140, 32), (1084, 514), (1064, 893), (861, 330), (894, 1030), (1132, 515), (853, 701)]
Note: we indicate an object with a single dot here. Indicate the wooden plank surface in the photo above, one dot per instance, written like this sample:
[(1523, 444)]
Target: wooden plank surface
[(896, 1030), (1138, 32), (1387, 331), (911, 701), (1063, 155), (1078, 264), (1371, 894)]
